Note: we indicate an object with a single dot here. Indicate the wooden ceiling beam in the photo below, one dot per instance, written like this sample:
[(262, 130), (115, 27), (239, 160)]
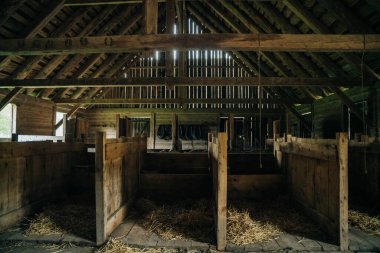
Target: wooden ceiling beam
[(95, 58), (232, 41), (263, 26), (182, 81), (57, 60), (275, 16), (31, 62), (223, 111), (8, 8), (180, 101), (9, 97), (50, 12), (103, 2), (245, 63), (150, 16), (318, 27)]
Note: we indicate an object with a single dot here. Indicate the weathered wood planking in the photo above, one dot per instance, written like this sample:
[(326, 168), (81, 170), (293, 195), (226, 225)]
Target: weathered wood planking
[(117, 166), (254, 186), (226, 41), (32, 173), (317, 173), (160, 186), (35, 117), (217, 151)]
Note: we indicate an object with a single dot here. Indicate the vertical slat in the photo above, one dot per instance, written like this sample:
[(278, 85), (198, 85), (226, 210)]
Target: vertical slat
[(100, 196), (117, 125), (152, 129), (342, 139), (174, 131)]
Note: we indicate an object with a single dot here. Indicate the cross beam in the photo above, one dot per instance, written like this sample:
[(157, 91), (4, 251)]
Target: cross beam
[(181, 101), (225, 41), (181, 81)]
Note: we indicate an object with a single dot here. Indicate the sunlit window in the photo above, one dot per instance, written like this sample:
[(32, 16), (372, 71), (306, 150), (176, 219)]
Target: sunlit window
[(58, 118), (7, 121)]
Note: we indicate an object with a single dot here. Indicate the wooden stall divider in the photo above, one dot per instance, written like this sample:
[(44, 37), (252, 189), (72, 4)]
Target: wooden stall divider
[(117, 167), (217, 151), (317, 172), (24, 168)]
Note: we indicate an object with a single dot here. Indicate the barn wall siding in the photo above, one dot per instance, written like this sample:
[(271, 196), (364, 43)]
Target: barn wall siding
[(34, 116), (329, 113)]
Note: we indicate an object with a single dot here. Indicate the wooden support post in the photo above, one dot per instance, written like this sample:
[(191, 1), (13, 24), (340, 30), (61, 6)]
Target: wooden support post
[(117, 126), (270, 128), (221, 232), (150, 16), (152, 130), (128, 127), (64, 126), (231, 130), (342, 139), (170, 22), (100, 194), (174, 131)]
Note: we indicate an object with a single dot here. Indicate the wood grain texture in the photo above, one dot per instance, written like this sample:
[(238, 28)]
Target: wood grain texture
[(226, 41), (32, 173), (317, 176), (116, 180), (217, 152)]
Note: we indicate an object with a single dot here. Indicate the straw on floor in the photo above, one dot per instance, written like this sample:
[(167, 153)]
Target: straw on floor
[(364, 221), (189, 219), (117, 246), (260, 221), (63, 218)]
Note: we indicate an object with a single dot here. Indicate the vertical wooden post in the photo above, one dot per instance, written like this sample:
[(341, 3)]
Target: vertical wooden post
[(170, 21), (150, 16), (221, 232), (231, 130), (152, 130), (342, 139), (128, 127), (100, 196), (64, 126), (117, 126), (174, 131), (53, 120)]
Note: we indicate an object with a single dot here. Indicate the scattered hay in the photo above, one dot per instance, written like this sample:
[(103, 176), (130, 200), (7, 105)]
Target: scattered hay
[(365, 222), (117, 246), (43, 224), (183, 220), (264, 220), (64, 218), (242, 229)]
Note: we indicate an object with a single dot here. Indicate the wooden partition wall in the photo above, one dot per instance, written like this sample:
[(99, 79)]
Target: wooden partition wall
[(217, 151), (32, 173), (117, 170), (317, 175)]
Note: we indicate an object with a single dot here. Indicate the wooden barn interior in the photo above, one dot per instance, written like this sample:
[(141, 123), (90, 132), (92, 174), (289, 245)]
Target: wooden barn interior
[(189, 125)]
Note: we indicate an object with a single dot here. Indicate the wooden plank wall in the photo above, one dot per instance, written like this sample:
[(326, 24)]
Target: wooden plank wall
[(32, 173), (117, 169), (217, 151), (317, 175), (34, 118)]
